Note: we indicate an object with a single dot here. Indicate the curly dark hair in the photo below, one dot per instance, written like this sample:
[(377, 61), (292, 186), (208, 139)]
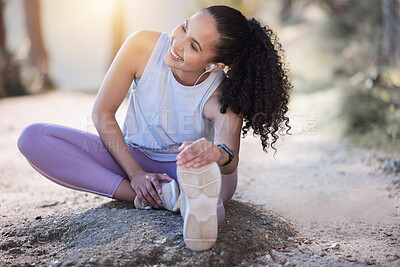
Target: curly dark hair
[(257, 85)]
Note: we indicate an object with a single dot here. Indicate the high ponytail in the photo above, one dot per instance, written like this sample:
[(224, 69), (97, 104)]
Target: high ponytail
[(257, 86)]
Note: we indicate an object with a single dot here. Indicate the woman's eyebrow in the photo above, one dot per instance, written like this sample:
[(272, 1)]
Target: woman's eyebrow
[(194, 40)]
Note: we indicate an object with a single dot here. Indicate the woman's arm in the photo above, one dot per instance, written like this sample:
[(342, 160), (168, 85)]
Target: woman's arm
[(227, 128), (109, 98), (128, 63)]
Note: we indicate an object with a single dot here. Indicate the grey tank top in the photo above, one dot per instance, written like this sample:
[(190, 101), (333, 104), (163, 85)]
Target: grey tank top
[(162, 113)]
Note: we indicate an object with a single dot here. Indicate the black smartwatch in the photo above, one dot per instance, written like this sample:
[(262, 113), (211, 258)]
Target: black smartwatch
[(230, 153)]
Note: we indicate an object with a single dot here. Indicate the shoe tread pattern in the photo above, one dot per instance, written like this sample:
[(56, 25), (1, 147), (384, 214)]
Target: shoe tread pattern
[(202, 188)]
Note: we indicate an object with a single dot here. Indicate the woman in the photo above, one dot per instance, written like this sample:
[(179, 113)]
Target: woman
[(183, 121)]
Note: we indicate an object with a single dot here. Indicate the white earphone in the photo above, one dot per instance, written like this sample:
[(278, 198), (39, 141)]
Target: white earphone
[(210, 69)]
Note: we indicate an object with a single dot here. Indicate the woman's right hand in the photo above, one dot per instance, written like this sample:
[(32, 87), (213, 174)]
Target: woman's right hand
[(146, 185)]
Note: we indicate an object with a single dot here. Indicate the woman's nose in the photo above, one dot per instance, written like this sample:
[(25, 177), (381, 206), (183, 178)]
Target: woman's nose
[(179, 43)]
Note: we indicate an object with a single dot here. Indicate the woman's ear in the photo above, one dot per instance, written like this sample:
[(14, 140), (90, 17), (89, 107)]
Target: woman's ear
[(215, 67)]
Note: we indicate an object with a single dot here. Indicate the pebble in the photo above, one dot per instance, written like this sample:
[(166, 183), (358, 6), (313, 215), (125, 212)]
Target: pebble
[(27, 245), (55, 263), (15, 251), (36, 252), (301, 239), (370, 262), (335, 246), (268, 258), (282, 261)]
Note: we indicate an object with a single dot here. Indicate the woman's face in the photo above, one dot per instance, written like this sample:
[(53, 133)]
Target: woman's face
[(191, 43)]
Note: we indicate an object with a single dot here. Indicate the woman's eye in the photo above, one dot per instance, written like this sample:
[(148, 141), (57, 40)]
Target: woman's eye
[(192, 45)]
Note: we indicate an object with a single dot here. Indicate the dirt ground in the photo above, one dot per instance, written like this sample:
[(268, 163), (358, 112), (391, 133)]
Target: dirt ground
[(318, 202)]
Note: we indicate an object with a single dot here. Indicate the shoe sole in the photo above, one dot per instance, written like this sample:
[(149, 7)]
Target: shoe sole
[(201, 189)]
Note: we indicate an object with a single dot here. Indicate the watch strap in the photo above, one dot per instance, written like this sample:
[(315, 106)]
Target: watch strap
[(230, 153)]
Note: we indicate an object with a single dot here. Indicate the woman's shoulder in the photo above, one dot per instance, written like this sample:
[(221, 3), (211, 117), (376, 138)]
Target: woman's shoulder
[(212, 104), (143, 36), (141, 44)]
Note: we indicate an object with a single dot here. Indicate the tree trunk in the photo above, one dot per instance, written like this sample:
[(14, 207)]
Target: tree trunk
[(2, 49), (38, 78), (391, 35), (287, 9), (10, 80)]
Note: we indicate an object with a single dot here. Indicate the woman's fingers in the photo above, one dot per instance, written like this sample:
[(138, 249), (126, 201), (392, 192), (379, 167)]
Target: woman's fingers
[(149, 196), (140, 195), (188, 154), (165, 177), (157, 185), (148, 187), (184, 144), (201, 161), (190, 157), (199, 153), (157, 182), (149, 192), (154, 198)]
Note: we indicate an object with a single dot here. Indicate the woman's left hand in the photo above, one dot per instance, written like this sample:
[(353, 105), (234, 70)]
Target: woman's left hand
[(198, 153)]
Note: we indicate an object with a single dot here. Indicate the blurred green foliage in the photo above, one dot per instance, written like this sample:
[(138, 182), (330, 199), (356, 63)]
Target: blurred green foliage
[(371, 104), (353, 32), (372, 113)]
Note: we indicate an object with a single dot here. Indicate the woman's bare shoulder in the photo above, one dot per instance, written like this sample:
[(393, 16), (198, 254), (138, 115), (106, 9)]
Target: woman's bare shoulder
[(213, 106), (141, 44), (143, 37)]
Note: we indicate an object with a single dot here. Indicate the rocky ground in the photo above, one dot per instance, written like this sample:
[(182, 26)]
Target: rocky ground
[(318, 202)]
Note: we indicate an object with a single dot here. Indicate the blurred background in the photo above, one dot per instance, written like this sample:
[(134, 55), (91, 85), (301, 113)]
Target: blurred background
[(344, 55), (344, 62)]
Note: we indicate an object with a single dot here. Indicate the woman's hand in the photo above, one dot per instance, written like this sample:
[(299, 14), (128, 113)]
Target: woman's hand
[(199, 153), (145, 185)]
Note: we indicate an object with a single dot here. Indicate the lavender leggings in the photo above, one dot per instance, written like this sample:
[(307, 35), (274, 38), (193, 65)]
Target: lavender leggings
[(79, 160)]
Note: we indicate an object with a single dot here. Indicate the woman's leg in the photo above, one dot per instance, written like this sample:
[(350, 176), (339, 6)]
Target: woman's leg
[(228, 185), (71, 158), (79, 160), (228, 188)]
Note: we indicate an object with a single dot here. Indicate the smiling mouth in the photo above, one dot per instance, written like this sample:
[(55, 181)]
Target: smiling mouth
[(174, 54)]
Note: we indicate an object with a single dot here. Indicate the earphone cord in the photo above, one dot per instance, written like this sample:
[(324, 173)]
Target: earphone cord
[(162, 102)]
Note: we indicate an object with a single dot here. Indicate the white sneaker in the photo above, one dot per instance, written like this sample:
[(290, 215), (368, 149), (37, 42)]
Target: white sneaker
[(169, 197), (200, 189)]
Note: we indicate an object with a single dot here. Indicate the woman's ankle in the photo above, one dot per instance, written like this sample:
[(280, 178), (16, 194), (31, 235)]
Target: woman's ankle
[(124, 192)]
